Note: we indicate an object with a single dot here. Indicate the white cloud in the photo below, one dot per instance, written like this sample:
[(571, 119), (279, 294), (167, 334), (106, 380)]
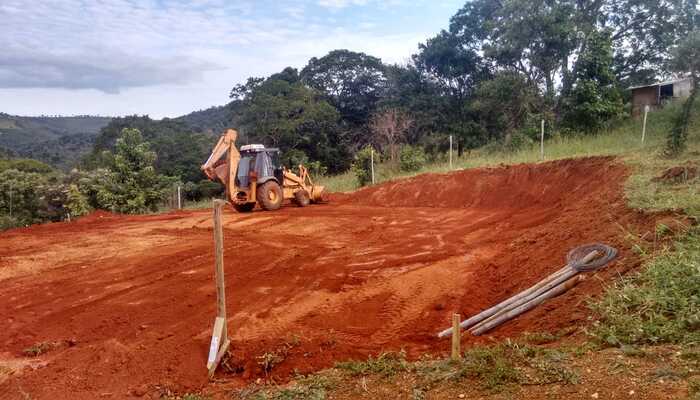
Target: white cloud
[(166, 57), (340, 3)]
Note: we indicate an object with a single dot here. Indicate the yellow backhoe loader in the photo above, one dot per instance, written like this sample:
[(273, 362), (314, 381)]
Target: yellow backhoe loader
[(255, 175)]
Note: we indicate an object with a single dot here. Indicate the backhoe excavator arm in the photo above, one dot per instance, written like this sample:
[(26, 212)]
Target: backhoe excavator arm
[(224, 169)]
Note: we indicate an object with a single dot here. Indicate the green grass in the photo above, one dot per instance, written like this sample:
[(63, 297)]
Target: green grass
[(37, 349), (660, 304), (622, 139), (312, 387), (386, 365)]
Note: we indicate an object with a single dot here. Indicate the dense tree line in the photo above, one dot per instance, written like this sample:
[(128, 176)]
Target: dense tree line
[(496, 72), (490, 77)]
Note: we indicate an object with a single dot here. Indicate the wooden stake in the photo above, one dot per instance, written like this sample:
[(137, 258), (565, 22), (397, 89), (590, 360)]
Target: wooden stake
[(644, 124), (372, 163), (542, 142), (219, 338), (450, 151), (456, 337), (179, 202)]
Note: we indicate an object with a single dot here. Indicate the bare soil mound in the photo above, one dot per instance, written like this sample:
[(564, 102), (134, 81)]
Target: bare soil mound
[(380, 269)]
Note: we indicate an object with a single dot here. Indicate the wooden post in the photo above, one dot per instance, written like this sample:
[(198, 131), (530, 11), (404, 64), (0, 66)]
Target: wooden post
[(10, 198), (456, 337), (372, 163), (542, 142), (179, 202), (450, 151), (219, 338), (644, 123)]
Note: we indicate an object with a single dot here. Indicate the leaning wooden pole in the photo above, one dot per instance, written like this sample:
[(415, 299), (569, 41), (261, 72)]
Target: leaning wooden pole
[(564, 277), (525, 296), (505, 303), (219, 339), (508, 315)]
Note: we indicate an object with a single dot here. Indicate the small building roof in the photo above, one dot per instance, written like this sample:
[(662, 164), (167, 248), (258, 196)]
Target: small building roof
[(659, 83)]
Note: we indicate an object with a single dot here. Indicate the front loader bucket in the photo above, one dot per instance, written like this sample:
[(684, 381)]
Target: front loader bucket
[(317, 193)]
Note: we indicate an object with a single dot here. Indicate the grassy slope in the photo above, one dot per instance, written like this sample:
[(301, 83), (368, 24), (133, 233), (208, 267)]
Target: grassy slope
[(624, 139), (645, 344)]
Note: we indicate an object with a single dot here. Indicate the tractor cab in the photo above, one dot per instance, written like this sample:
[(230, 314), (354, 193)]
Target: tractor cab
[(260, 163)]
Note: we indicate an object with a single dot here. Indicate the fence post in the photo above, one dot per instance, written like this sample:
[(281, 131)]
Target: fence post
[(179, 202), (644, 123), (371, 151), (450, 151), (219, 337), (456, 337), (542, 142)]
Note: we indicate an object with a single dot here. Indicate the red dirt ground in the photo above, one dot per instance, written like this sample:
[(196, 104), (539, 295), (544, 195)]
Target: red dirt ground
[(130, 300)]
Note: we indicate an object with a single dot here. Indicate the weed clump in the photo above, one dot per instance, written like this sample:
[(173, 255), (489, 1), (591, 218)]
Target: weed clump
[(386, 364), (661, 304)]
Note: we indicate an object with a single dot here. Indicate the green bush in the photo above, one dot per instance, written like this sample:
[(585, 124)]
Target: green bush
[(411, 158), (7, 222), (132, 185), (361, 165), (21, 196), (517, 142), (77, 203), (661, 304)]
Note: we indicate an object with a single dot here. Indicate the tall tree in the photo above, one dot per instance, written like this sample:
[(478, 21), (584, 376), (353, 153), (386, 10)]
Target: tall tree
[(353, 82), (594, 98), (456, 68), (502, 106), (283, 112)]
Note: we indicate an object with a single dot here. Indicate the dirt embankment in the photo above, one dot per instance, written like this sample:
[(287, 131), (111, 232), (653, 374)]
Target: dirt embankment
[(380, 269)]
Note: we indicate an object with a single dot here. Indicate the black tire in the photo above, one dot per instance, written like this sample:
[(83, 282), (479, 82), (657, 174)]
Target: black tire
[(302, 198), (270, 196), (245, 207)]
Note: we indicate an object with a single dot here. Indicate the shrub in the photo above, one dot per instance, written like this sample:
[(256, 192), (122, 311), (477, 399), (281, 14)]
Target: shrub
[(411, 158), (132, 184), (361, 166), (517, 142), (77, 203)]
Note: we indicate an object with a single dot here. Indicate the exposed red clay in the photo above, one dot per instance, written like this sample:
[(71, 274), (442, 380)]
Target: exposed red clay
[(377, 270)]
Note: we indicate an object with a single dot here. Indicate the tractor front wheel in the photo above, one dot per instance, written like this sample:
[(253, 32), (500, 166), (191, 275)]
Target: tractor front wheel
[(270, 196)]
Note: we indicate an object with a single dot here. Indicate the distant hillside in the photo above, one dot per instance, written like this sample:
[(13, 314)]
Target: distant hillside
[(63, 141), (59, 141), (211, 121)]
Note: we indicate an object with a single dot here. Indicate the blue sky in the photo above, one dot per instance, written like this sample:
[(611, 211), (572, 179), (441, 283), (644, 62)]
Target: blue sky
[(167, 58)]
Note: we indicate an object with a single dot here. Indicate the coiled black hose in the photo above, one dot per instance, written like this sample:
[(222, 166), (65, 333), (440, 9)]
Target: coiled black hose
[(575, 256)]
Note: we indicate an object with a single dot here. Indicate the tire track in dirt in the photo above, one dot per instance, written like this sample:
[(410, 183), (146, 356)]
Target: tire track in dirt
[(379, 269)]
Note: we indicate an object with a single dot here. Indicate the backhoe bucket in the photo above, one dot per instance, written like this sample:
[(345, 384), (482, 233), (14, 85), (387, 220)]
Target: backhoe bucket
[(317, 193)]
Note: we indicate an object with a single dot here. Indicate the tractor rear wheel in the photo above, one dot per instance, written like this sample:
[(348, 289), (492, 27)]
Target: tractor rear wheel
[(270, 196), (245, 207), (302, 198)]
